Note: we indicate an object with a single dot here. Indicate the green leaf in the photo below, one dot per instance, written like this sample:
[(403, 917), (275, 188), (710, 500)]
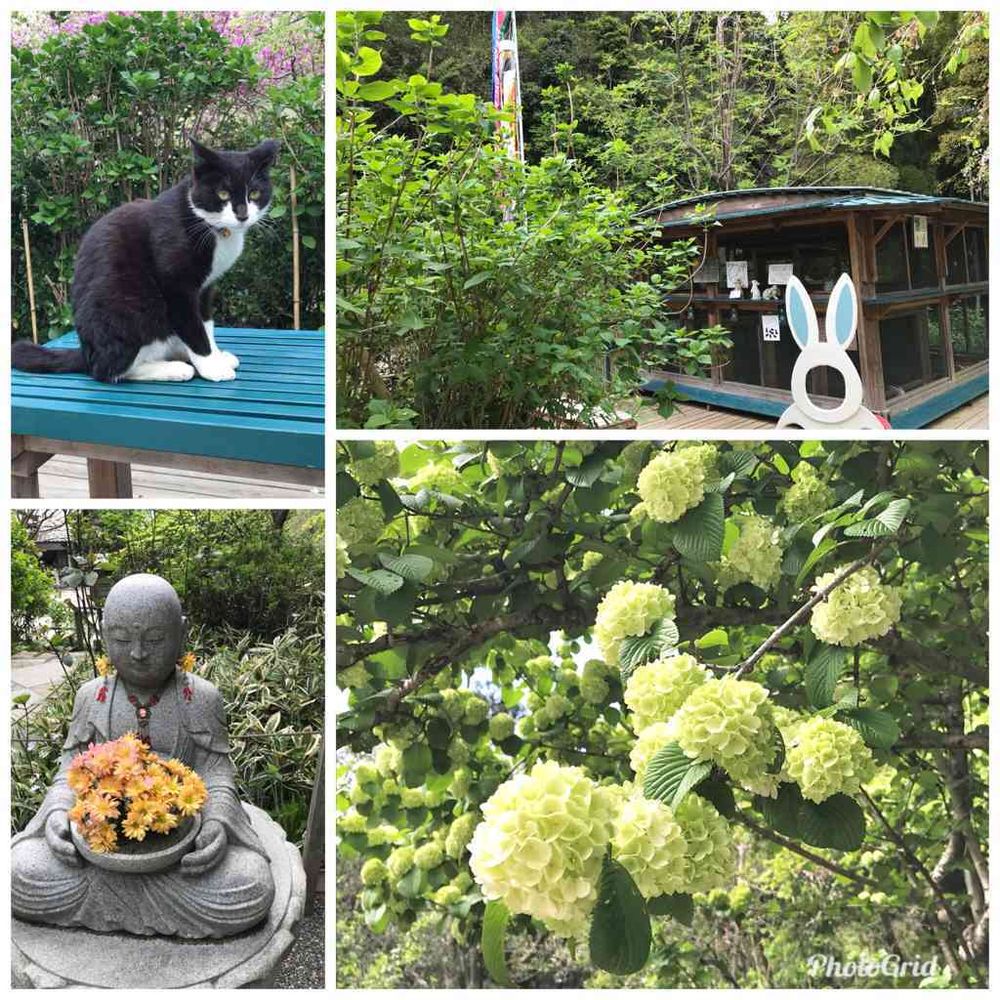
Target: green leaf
[(367, 62), (411, 884), (587, 473), (377, 90), (620, 935), (739, 462), (822, 672), (495, 921), (679, 905), (671, 774), (782, 812), (698, 534), (836, 822), (391, 504), (416, 764), (877, 728), (720, 794), (309, 242), (477, 279), (378, 579), (887, 522), (409, 566), (639, 649)]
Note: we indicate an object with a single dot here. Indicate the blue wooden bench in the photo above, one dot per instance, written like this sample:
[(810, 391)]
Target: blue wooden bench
[(267, 423)]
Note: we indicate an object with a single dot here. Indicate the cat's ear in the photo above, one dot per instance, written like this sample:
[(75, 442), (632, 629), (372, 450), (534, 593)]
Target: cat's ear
[(203, 156), (264, 155)]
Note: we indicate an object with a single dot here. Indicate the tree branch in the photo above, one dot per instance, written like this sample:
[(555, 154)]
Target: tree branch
[(978, 739)]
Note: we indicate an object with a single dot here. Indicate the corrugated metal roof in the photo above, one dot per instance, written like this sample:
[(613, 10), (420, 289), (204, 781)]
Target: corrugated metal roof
[(825, 197)]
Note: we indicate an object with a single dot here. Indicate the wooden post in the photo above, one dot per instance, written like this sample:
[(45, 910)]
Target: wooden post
[(109, 480), (24, 466), (31, 280), (944, 314), (313, 847), (296, 301), (861, 240)]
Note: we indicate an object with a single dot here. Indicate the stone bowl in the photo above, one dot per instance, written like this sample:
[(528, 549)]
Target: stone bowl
[(156, 853)]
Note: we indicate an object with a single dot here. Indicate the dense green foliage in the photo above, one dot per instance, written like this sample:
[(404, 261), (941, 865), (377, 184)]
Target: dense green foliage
[(251, 583), (101, 116), (457, 312), (472, 578), (667, 104), (31, 586)]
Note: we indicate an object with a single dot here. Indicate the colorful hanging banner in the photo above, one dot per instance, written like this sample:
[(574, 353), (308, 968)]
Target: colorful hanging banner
[(507, 81)]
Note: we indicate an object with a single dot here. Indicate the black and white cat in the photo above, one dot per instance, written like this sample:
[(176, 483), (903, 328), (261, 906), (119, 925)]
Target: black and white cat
[(142, 287)]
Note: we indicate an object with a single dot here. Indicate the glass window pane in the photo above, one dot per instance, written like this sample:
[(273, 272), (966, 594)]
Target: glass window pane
[(911, 351), (969, 320), (956, 257), (975, 246)]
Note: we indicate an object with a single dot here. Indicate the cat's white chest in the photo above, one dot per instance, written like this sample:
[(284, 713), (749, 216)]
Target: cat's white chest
[(226, 253)]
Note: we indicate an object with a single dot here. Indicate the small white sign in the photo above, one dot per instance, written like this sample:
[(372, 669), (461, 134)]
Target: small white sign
[(772, 327), (736, 270), (707, 273), (779, 274), (920, 232)]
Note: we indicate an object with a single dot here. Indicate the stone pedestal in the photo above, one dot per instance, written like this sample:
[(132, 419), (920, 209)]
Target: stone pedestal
[(44, 957)]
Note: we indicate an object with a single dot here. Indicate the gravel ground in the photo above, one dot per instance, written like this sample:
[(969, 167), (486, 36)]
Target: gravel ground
[(302, 968)]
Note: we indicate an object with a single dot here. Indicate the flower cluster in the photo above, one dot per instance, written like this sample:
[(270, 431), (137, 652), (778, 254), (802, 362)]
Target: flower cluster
[(656, 690), (359, 521), (541, 843), (860, 608), (123, 787), (828, 757), (710, 853), (650, 843), (807, 496), (755, 556), (629, 609), (382, 464), (674, 482), (594, 687)]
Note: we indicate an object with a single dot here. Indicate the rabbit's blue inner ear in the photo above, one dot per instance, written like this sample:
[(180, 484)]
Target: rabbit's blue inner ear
[(798, 316), (843, 314)]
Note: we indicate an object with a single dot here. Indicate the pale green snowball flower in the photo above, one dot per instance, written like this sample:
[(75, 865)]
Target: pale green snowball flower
[(711, 854), (656, 690), (674, 482), (860, 608), (755, 557), (829, 758), (541, 844), (629, 609), (649, 842)]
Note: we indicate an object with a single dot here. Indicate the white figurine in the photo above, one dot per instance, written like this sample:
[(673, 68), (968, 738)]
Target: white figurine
[(841, 323), (737, 290), (755, 290), (772, 293)]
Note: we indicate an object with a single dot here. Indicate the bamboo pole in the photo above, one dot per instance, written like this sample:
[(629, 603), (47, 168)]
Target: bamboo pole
[(31, 279), (296, 300)]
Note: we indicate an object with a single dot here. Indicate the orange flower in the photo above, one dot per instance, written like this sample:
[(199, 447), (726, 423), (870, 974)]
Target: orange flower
[(101, 807), (78, 779), (102, 838), (164, 821), (134, 827)]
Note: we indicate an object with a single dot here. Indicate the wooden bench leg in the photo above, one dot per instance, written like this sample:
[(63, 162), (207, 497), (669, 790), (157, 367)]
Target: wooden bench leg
[(24, 468), (109, 479)]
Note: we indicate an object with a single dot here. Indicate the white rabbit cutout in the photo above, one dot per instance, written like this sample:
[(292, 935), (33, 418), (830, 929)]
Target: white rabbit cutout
[(841, 324)]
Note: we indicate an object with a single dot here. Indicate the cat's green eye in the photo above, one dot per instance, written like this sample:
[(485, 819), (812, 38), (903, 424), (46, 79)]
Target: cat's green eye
[(223, 194), (255, 195)]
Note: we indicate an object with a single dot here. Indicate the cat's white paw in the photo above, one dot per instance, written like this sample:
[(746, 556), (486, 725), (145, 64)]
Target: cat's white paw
[(215, 368), (230, 358), (175, 371)]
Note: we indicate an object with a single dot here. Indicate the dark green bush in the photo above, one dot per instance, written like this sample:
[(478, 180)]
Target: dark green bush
[(30, 584)]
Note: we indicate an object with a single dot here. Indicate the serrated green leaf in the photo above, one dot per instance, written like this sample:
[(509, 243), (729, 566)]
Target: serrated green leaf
[(380, 580), (836, 822), (782, 812), (720, 794), (389, 498), (620, 935), (495, 921), (698, 534), (409, 565), (671, 774), (877, 728), (822, 673), (639, 649)]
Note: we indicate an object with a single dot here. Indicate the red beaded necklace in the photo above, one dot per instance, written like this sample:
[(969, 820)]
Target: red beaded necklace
[(142, 714)]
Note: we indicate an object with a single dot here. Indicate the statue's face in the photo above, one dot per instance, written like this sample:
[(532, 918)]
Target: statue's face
[(143, 632)]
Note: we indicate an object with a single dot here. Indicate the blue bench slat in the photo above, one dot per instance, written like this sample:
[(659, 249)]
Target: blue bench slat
[(273, 411)]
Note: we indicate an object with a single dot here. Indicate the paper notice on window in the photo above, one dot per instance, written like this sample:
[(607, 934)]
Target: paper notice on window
[(920, 232), (772, 327), (779, 274), (736, 270), (707, 273)]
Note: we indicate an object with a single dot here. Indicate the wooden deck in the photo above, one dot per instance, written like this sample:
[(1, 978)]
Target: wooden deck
[(694, 416), (65, 476)]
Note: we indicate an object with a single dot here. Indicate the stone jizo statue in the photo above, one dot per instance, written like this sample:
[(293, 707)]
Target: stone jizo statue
[(224, 885)]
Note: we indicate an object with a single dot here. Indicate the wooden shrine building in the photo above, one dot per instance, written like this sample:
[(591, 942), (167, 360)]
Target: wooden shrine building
[(919, 264)]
